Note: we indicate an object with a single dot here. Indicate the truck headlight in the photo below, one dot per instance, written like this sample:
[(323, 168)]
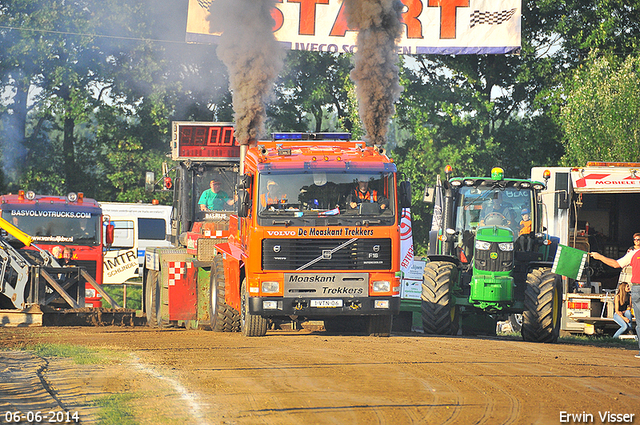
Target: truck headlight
[(482, 245), (89, 293), (381, 286), (506, 246), (270, 287)]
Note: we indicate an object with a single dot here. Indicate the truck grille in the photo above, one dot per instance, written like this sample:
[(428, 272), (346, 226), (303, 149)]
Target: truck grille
[(502, 263), (316, 254)]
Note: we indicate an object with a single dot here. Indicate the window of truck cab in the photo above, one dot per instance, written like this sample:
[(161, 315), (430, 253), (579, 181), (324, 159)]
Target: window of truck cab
[(55, 227), (225, 183), (320, 194), (123, 236), (473, 200)]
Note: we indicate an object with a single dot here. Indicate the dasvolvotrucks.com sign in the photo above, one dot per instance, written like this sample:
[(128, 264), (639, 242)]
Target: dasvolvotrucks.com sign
[(430, 26)]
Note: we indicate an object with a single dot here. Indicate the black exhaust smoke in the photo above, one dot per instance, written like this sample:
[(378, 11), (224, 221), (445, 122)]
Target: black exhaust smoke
[(253, 58), (375, 73)]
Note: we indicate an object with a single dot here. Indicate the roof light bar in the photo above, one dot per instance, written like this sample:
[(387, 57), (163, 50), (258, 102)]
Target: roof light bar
[(289, 136), (332, 136), (311, 136)]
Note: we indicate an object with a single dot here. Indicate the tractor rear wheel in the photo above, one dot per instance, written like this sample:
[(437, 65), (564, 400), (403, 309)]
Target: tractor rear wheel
[(438, 310), (222, 317), (542, 306), (251, 324)]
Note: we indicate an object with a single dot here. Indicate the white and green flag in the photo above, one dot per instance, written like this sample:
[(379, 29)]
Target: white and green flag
[(569, 262)]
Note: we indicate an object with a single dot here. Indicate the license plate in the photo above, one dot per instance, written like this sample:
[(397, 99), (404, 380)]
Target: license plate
[(326, 303)]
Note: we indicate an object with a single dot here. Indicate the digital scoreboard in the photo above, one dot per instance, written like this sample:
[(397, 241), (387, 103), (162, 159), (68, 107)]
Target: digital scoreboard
[(204, 141)]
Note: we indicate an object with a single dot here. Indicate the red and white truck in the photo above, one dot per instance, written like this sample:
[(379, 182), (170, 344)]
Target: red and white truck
[(592, 208), (57, 222)]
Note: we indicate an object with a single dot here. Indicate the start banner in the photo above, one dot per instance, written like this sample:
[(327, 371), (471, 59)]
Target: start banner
[(430, 26)]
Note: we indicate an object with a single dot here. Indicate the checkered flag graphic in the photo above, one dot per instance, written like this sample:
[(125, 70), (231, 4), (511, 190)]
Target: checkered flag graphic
[(205, 4), (490, 18), (177, 270)]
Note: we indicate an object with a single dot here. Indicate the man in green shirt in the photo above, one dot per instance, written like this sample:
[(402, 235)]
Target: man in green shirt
[(214, 199)]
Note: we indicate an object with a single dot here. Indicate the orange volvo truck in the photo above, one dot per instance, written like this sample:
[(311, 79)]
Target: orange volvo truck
[(314, 235)]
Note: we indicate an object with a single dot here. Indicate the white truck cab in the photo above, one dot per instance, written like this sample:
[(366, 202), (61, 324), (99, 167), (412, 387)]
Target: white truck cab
[(136, 227), (592, 208)]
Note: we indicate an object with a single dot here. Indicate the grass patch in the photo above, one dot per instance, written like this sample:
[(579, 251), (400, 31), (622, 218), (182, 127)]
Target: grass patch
[(510, 335), (134, 295), (599, 340), (591, 340), (115, 409), (78, 353)]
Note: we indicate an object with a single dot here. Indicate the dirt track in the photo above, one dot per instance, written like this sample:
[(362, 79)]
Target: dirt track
[(309, 377)]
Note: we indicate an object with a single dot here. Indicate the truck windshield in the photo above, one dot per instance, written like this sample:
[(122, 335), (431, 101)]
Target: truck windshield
[(480, 206), (79, 228), (326, 193)]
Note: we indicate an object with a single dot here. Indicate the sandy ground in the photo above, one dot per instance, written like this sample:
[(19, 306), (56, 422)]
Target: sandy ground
[(310, 377)]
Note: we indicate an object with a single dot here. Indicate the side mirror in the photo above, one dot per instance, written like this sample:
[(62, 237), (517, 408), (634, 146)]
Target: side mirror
[(149, 181), (109, 234), (404, 194), (244, 203), (562, 199), (428, 195), (244, 181)]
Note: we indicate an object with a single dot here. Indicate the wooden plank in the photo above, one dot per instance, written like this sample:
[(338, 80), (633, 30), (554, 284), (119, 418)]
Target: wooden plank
[(31, 316)]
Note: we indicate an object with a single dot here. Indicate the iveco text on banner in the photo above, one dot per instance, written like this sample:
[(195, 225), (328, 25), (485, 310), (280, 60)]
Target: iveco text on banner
[(430, 26)]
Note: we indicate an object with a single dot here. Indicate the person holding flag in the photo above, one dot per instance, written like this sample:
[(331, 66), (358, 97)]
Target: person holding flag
[(631, 258)]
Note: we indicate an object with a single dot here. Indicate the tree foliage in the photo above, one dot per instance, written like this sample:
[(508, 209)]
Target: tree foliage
[(91, 88), (601, 117)]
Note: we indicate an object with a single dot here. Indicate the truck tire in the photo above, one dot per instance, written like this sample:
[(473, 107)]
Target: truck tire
[(438, 312), (223, 318), (380, 325), (251, 324), (542, 306), (152, 299)]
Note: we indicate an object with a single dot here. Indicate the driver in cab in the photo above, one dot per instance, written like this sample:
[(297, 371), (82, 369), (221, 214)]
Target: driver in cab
[(272, 196), (497, 212), (214, 199), (361, 193)]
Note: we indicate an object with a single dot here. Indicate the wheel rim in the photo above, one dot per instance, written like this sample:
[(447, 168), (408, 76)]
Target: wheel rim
[(518, 318)]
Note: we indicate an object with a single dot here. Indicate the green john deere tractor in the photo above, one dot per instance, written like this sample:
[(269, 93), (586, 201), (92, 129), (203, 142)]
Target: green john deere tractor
[(489, 259)]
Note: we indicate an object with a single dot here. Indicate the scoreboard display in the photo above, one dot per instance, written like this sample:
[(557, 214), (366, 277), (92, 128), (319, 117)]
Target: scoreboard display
[(204, 141)]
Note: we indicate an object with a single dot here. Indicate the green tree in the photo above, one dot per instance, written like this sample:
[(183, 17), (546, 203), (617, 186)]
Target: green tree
[(98, 68), (601, 117), (313, 88)]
